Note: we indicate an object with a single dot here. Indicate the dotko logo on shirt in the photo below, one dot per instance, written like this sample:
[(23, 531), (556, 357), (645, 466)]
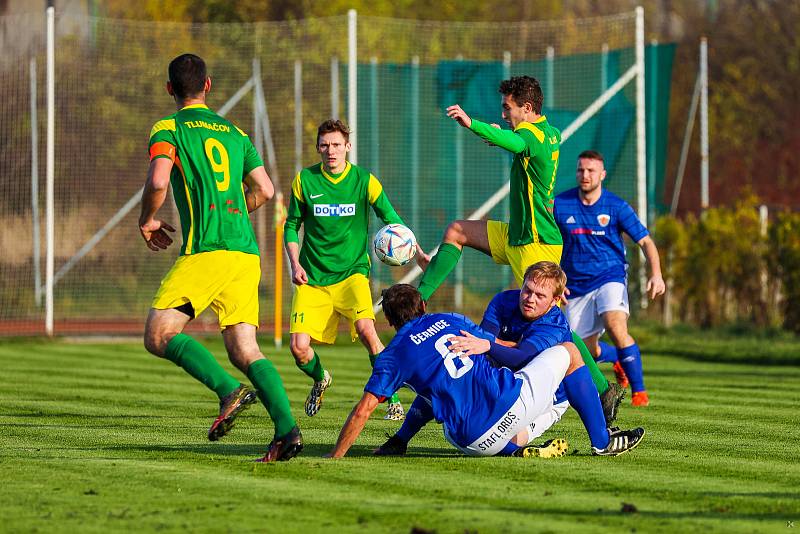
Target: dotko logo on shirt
[(334, 210)]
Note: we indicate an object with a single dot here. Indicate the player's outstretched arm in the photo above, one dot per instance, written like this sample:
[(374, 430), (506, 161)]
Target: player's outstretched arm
[(354, 424), (459, 115), (506, 139), (259, 188), (655, 284), (155, 193)]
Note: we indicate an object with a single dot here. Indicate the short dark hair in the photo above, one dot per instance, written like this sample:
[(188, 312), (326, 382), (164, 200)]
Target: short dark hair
[(333, 125), (524, 89), (591, 154), (402, 303), (187, 74)]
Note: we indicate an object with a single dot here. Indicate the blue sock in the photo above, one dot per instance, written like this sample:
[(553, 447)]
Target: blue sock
[(631, 360), (509, 449), (417, 416), (608, 353), (582, 395)]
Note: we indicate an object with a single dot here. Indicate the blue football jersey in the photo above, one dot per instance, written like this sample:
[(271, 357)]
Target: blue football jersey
[(594, 252), (467, 394), (504, 319)]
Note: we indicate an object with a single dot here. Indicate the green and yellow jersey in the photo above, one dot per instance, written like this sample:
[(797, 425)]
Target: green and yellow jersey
[(334, 209), (533, 178), (211, 158)]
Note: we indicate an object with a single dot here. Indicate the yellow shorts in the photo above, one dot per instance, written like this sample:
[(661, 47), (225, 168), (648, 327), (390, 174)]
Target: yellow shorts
[(519, 257), (223, 279), (316, 309)]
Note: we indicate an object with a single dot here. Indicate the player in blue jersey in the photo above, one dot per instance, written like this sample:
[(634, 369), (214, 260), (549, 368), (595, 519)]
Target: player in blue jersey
[(525, 322), (485, 410), (592, 222)]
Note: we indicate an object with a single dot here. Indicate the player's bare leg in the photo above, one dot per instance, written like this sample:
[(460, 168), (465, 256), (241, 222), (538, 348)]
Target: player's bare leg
[(593, 344), (244, 353), (459, 234), (365, 328), (473, 234), (300, 346), (616, 323), (308, 361), (630, 359), (163, 337), (161, 326)]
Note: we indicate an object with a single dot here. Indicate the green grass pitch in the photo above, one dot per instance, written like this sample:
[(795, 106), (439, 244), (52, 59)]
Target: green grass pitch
[(99, 437)]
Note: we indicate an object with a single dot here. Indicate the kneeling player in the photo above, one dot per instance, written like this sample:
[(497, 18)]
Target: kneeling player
[(485, 410), (531, 319)]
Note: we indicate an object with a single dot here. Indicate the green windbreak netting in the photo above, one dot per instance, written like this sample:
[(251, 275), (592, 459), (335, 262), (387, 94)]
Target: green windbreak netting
[(109, 88)]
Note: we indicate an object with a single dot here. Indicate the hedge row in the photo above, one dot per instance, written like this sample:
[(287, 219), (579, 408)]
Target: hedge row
[(727, 266)]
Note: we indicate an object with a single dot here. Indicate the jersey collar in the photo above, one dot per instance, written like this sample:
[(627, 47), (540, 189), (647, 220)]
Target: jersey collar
[(335, 179), (195, 106)]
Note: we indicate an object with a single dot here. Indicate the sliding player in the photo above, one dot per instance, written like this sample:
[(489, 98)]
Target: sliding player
[(527, 322), (485, 410)]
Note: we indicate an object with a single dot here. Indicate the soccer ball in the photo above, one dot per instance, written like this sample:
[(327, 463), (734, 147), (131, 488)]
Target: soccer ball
[(395, 245)]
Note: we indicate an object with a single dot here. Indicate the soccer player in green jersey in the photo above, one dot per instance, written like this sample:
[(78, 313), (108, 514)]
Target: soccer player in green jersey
[(332, 200), (217, 178), (531, 235)]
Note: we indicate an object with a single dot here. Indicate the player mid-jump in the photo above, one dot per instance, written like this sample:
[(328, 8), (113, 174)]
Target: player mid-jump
[(531, 235)]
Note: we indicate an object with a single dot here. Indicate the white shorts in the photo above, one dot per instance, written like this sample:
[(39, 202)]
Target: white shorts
[(585, 313), (540, 380), (543, 423)]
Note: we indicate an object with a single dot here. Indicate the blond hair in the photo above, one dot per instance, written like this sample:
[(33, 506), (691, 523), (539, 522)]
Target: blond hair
[(547, 271)]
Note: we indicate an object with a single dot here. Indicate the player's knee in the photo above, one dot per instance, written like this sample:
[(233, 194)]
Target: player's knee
[(300, 350), (618, 332), (366, 332), (242, 359), (575, 358), (455, 233), (156, 340)]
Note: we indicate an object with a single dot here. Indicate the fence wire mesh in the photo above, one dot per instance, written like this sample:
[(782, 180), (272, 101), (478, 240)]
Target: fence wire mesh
[(110, 77)]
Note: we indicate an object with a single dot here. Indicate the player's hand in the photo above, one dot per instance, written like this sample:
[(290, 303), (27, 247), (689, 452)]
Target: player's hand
[(457, 114), (155, 234), (299, 275), (423, 260), (655, 287), (467, 345)]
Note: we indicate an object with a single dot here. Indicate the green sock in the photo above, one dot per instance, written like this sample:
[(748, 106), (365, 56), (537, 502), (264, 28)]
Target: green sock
[(270, 390), (441, 265), (312, 368), (395, 397), (195, 359), (598, 378)]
